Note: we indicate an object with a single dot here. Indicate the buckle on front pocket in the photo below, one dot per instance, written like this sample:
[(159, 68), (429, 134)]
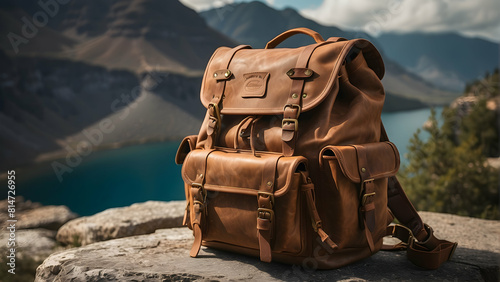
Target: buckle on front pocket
[(291, 120), (365, 198), (264, 213), (269, 195)]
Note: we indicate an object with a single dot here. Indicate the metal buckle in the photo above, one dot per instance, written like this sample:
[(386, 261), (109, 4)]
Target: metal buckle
[(203, 192), (217, 111), (269, 195), (316, 225), (263, 212), (289, 120), (410, 234), (196, 185), (365, 198), (294, 106)]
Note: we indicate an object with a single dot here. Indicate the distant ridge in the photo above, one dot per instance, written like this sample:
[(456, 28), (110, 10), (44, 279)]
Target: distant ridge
[(136, 35), (446, 59), (256, 23)]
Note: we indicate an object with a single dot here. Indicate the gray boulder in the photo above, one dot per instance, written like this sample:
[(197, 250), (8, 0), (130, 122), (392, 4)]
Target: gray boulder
[(48, 217), (137, 219), (32, 215), (37, 244), (164, 255)]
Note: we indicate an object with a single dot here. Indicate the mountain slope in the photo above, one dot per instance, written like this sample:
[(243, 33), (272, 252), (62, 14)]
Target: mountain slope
[(49, 104), (256, 23), (44, 41), (92, 64), (447, 60), (136, 35), (164, 35)]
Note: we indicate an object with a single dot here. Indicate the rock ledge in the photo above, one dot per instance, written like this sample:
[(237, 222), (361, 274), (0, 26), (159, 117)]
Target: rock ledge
[(164, 255)]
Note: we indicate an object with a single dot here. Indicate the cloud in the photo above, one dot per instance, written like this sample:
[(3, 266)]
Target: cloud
[(468, 17), (201, 5)]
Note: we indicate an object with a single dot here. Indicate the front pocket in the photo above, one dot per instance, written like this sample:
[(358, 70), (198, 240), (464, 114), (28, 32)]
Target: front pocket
[(352, 168), (232, 181)]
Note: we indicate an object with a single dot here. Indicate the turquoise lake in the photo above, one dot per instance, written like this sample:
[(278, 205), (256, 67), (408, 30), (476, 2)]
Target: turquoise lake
[(121, 177)]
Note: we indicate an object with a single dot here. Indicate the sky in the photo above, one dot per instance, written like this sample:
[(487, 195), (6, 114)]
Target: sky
[(472, 18)]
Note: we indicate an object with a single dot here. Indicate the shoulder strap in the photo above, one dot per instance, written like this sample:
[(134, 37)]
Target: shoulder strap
[(423, 248)]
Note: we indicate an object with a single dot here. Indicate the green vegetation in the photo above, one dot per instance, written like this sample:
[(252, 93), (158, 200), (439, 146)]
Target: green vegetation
[(24, 271), (450, 171), (76, 241)]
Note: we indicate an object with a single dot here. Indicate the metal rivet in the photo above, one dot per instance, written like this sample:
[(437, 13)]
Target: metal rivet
[(290, 72), (227, 74), (201, 175), (304, 95), (308, 72), (294, 95), (363, 169), (242, 133), (269, 183), (215, 74)]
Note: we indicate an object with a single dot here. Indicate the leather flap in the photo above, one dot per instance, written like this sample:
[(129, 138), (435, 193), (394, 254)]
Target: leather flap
[(187, 145), (240, 172), (244, 96), (382, 160)]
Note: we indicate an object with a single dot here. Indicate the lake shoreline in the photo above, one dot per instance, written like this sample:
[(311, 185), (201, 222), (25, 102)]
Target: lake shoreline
[(124, 173), (61, 154)]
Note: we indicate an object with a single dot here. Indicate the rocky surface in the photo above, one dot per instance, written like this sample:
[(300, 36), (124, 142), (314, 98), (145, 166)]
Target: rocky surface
[(32, 236), (163, 255), (37, 244), (137, 219), (48, 217), (32, 215)]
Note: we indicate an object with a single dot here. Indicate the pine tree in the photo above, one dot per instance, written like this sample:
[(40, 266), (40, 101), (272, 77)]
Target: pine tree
[(449, 171)]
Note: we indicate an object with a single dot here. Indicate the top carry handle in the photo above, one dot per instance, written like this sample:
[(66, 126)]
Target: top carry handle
[(301, 30)]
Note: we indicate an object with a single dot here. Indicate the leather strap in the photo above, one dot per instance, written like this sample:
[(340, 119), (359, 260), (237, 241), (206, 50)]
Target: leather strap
[(423, 248), (242, 130), (265, 211), (221, 75), (280, 38), (307, 187), (400, 205), (367, 193), (429, 254), (253, 135), (336, 39), (198, 208), (292, 108)]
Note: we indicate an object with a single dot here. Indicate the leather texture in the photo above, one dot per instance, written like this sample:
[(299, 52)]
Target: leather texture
[(292, 162)]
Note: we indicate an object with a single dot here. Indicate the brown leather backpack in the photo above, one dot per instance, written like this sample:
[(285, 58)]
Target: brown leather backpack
[(292, 162)]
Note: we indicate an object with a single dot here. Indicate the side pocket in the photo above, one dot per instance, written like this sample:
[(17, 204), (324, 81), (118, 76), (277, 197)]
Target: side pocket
[(359, 199), (187, 145)]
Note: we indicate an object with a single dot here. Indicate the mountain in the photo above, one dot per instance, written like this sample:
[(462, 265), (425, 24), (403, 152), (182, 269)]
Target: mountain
[(447, 60), (129, 70), (135, 35), (44, 41), (49, 105), (256, 23)]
